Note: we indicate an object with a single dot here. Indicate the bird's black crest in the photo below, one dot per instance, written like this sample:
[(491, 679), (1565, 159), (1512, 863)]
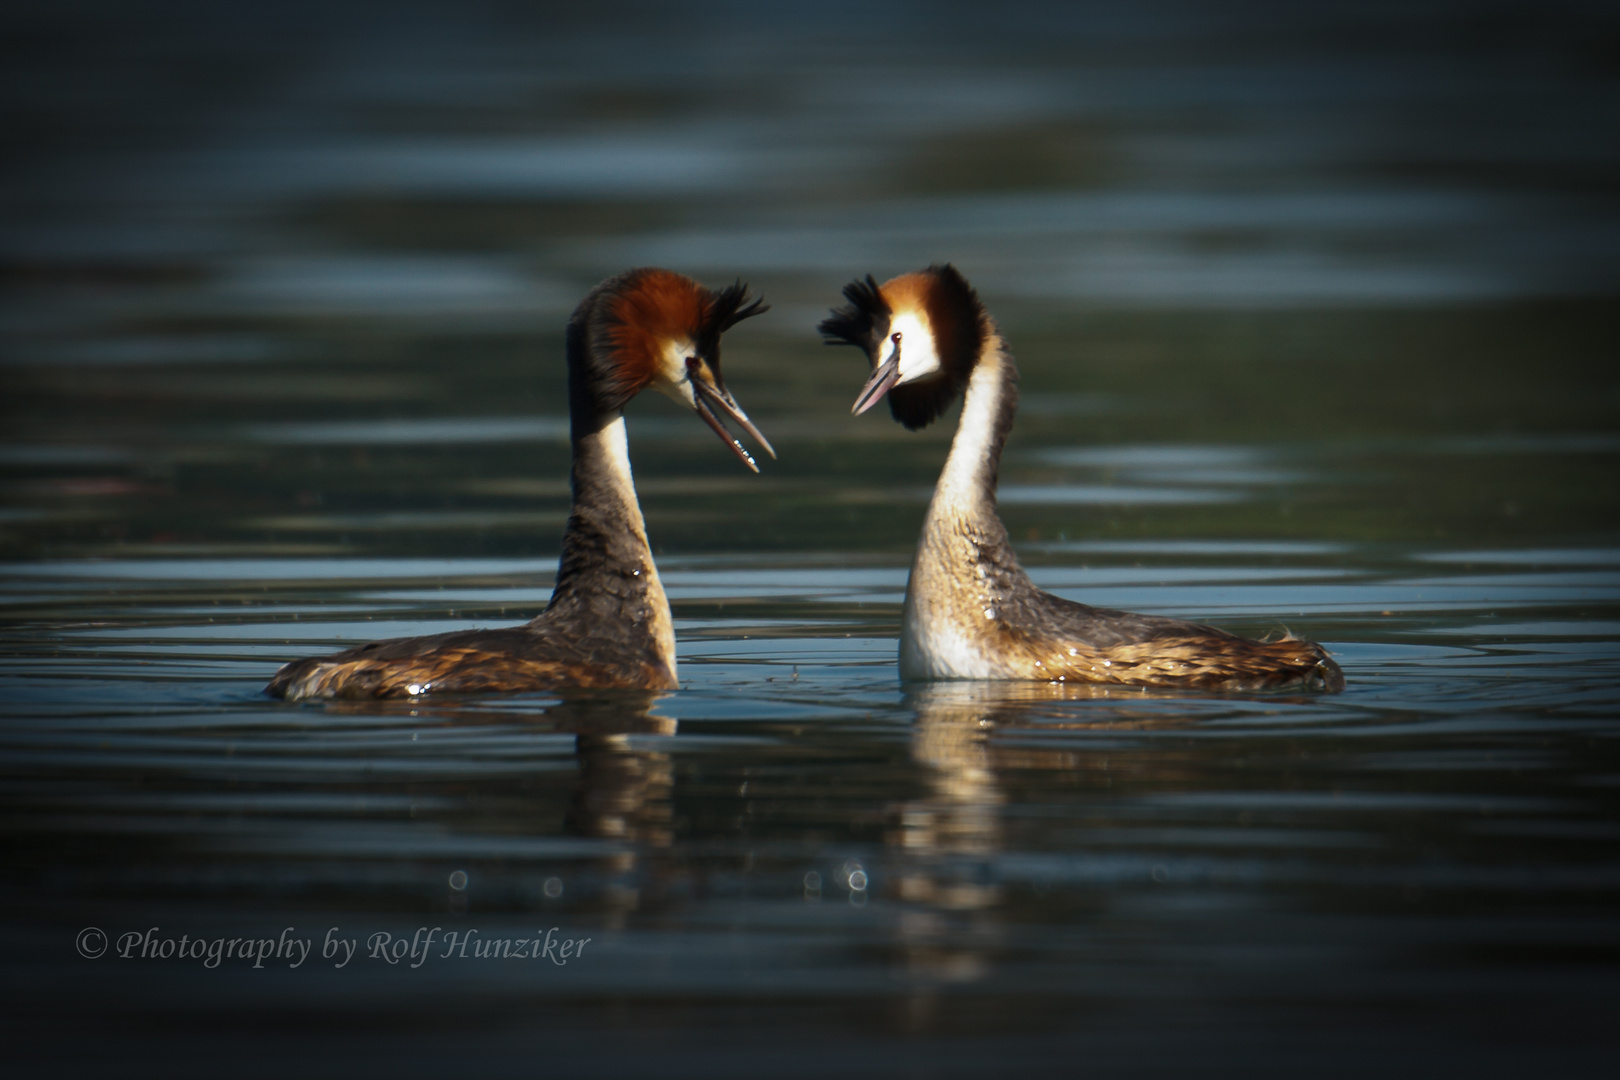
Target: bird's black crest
[(727, 307), (863, 322), (732, 304)]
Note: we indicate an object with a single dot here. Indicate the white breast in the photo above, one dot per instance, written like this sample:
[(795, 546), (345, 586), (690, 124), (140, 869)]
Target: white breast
[(942, 651)]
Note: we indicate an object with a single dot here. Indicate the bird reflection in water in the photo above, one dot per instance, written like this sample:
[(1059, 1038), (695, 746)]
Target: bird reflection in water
[(948, 838), (947, 841), (622, 794), (625, 788)]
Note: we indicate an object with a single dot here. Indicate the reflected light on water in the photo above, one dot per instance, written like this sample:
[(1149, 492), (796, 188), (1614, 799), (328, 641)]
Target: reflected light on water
[(1311, 307)]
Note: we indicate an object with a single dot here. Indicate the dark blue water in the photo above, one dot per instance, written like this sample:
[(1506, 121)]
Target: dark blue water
[(1314, 313)]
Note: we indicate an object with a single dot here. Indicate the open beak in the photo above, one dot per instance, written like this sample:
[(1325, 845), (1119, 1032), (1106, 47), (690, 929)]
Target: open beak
[(887, 374), (708, 400)]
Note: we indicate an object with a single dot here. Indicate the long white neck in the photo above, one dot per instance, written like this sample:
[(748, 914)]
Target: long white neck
[(602, 471), (606, 577), (967, 484), (965, 568)]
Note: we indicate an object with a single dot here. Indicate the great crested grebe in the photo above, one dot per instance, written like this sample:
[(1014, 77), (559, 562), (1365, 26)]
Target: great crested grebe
[(971, 612), (608, 623)]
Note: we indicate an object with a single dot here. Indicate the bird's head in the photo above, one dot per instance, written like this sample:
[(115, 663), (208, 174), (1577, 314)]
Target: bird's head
[(922, 332), (651, 328)]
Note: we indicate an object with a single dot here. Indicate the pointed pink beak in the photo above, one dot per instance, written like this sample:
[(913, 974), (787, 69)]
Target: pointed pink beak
[(711, 399), (886, 375)]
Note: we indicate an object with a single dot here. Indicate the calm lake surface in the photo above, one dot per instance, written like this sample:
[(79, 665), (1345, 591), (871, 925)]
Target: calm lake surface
[(1317, 334)]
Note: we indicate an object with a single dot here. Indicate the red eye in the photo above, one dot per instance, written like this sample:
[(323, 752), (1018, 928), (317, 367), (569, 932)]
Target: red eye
[(896, 338)]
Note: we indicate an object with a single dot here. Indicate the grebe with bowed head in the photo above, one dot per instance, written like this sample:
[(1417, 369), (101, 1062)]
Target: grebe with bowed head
[(971, 611), (608, 624)]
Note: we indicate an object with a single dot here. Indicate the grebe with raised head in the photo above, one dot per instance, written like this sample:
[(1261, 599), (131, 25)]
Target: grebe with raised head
[(608, 624), (971, 611)]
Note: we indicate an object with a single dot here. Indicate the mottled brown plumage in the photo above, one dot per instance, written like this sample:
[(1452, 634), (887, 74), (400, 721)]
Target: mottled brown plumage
[(608, 624), (971, 611)]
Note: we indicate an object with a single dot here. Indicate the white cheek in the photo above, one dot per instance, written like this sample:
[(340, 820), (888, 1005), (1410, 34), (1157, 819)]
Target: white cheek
[(673, 381), (917, 354), (680, 393)]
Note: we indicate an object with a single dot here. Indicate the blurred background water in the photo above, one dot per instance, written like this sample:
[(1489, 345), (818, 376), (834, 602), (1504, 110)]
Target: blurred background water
[(1315, 309)]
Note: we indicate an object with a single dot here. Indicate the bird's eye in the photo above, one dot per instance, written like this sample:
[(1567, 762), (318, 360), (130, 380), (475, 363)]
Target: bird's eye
[(895, 338)]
